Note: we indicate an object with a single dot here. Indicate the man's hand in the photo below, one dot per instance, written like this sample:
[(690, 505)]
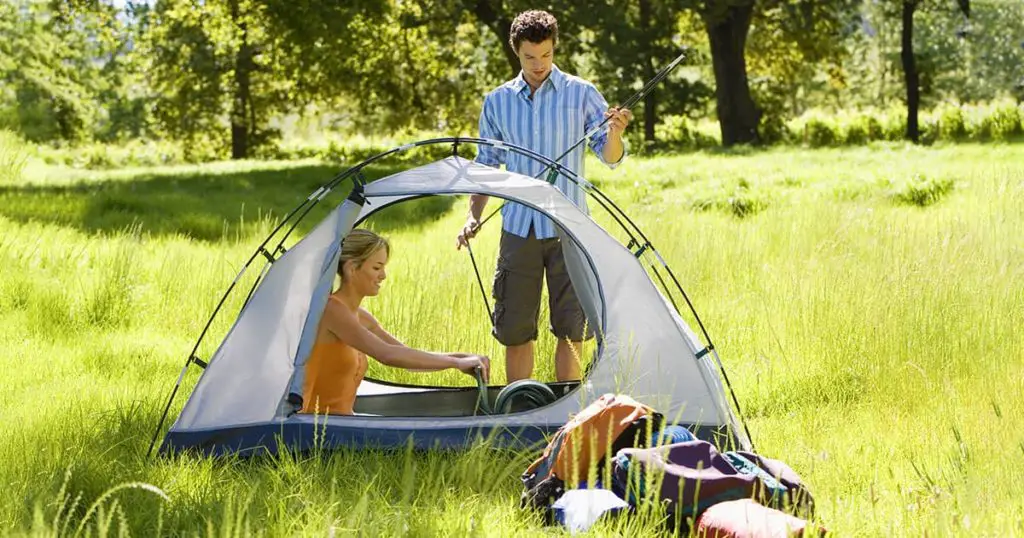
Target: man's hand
[(620, 118), (477, 203), (468, 232)]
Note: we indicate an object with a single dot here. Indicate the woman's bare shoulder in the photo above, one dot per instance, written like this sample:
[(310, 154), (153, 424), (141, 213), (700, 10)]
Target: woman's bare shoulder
[(366, 319)]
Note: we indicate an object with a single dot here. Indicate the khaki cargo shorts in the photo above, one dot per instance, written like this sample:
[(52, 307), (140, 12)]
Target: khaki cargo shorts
[(522, 264)]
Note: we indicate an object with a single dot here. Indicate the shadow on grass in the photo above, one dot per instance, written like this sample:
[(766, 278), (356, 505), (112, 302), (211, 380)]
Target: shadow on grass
[(202, 206)]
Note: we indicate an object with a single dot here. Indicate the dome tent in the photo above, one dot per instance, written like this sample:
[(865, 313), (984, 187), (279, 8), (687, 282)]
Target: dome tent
[(242, 401)]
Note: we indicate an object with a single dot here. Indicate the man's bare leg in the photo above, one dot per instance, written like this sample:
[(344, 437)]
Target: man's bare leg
[(519, 361), (567, 360)]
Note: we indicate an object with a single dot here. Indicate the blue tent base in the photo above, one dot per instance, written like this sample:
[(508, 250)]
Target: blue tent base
[(305, 436)]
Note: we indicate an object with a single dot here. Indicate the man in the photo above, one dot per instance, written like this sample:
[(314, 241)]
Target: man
[(545, 110)]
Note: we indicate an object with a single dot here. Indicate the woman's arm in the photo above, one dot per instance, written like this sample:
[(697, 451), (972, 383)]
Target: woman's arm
[(389, 351), (367, 320), (374, 326)]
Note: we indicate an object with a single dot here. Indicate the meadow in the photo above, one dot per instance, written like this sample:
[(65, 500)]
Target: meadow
[(867, 303)]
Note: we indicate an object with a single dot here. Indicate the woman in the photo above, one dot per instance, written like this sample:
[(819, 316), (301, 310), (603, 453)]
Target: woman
[(348, 333)]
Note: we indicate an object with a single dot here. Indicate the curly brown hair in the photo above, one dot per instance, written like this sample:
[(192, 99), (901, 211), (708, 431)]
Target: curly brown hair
[(534, 26)]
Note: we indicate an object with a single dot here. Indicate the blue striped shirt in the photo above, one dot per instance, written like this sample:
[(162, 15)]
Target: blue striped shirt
[(562, 110)]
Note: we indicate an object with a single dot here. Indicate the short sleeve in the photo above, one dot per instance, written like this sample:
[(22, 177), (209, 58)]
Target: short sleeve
[(489, 129)]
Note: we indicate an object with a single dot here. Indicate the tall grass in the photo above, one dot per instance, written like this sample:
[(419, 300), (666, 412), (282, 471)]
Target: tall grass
[(873, 341), (14, 157)]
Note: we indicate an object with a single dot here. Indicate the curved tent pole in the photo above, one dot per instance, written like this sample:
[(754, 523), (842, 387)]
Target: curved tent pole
[(308, 203), (572, 176), (321, 192), (605, 202), (192, 358)]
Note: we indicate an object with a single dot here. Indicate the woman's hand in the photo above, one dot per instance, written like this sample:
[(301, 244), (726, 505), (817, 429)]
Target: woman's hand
[(468, 364)]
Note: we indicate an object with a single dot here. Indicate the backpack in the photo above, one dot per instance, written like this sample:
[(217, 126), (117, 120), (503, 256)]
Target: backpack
[(599, 430), (692, 476)]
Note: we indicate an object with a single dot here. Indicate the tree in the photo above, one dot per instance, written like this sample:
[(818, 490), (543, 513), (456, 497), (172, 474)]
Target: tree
[(796, 54), (421, 64), (57, 61), (629, 42), (226, 67), (727, 23), (492, 14), (910, 72)]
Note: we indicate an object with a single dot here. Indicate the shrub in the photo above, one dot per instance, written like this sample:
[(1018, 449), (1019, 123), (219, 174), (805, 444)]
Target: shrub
[(857, 130), (820, 132), (951, 123), (922, 191), (894, 124), (740, 202), (1004, 121)]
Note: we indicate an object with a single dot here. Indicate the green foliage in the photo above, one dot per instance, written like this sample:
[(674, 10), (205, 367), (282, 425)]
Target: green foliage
[(820, 131), (922, 191), (681, 132), (134, 153), (771, 97), (181, 72), (1001, 123), (959, 60), (739, 200), (951, 123), (796, 50), (65, 70), (13, 157)]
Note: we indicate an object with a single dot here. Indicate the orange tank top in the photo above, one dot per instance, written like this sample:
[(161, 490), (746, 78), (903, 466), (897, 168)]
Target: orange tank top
[(333, 373)]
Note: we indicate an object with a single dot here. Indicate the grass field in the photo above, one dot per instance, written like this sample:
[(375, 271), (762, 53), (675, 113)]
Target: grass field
[(868, 304)]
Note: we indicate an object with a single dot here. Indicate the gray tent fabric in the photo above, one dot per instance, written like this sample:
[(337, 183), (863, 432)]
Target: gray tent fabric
[(253, 365), (646, 351)]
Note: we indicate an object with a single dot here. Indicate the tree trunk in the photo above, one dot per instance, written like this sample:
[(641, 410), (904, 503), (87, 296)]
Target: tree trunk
[(494, 17), (242, 113), (738, 116), (910, 74), (650, 101)]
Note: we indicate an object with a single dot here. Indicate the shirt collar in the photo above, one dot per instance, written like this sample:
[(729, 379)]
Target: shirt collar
[(556, 78)]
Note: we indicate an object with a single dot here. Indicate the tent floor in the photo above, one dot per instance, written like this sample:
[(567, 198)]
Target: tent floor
[(305, 433), (439, 401)]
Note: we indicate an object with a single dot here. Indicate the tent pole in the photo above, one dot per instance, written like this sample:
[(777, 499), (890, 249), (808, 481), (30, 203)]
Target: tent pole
[(314, 198), (480, 282), (308, 204), (163, 417)]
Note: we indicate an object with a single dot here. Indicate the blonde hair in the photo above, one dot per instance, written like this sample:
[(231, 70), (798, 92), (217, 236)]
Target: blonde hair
[(358, 246)]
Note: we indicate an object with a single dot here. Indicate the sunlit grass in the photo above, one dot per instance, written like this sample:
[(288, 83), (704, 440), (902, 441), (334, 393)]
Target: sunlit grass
[(874, 342)]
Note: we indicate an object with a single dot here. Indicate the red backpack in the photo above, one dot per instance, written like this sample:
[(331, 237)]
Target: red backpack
[(588, 438)]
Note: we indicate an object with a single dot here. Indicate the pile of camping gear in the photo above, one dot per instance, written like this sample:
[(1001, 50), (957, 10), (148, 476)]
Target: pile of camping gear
[(618, 454)]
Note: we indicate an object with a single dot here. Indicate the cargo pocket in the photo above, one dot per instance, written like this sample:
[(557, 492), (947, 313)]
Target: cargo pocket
[(498, 293), (500, 281), (496, 318)]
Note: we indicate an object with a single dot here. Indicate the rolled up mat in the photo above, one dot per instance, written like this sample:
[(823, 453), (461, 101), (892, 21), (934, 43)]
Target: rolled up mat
[(534, 392), (747, 519)]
